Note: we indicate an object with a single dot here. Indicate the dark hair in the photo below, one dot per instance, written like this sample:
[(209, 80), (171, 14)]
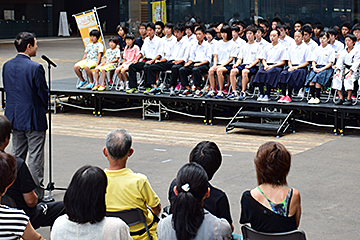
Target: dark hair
[(235, 23), (208, 155), (281, 25), (272, 163), (277, 31), (169, 25), (160, 23), (288, 26), (211, 31), (190, 26), (333, 31), (95, 33), (214, 24), (351, 36), (299, 31), (142, 24), (187, 209), (123, 27), (347, 25), (277, 20), (5, 128), (356, 27), (118, 143), (200, 29), (7, 171), (261, 29), (265, 22), (324, 34), (235, 28), (241, 23), (150, 25), (299, 22), (129, 36), (84, 199), (307, 28), (319, 25), (226, 29), (179, 27), (23, 39), (114, 40), (251, 28)]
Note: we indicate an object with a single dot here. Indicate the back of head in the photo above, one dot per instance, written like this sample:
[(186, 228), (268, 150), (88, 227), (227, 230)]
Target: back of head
[(272, 163), (188, 213), (84, 199), (22, 40), (5, 129), (118, 143), (208, 155), (7, 171)]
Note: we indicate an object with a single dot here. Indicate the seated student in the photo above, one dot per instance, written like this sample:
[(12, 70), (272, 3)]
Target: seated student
[(164, 64), (274, 22), (85, 210), (294, 76), (259, 37), (121, 30), (189, 31), (208, 155), (273, 59), (298, 25), (91, 59), (150, 52), (318, 27), (307, 29), (223, 56), (189, 220), (126, 189), (349, 59), (109, 62), (324, 57), (198, 64), (287, 29), (242, 26), (264, 23), (142, 32), (22, 190), (335, 44), (284, 38), (248, 59), (159, 29), (130, 54), (272, 206), (356, 31), (345, 29), (217, 29), (15, 223)]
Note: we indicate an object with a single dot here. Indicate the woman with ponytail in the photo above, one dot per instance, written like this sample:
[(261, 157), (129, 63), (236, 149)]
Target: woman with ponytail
[(189, 220)]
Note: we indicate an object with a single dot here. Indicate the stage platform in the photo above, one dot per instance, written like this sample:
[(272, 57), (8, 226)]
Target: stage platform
[(208, 109)]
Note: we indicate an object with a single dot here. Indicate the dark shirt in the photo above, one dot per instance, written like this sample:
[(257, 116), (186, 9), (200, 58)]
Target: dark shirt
[(263, 219), (217, 204), (342, 39), (316, 40), (244, 37), (122, 43), (139, 42), (267, 37)]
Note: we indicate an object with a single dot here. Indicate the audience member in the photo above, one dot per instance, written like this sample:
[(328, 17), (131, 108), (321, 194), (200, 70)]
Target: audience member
[(189, 31), (142, 32), (259, 37), (284, 38), (274, 22), (298, 25), (345, 29), (121, 30), (264, 23), (159, 29), (307, 37), (335, 44), (318, 27)]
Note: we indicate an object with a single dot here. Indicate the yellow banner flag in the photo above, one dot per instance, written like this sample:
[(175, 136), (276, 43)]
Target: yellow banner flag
[(159, 11), (86, 22)]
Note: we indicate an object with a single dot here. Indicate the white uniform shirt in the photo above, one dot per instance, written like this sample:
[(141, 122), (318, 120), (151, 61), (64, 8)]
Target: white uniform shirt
[(249, 53), (167, 46), (337, 46), (263, 43), (351, 58), (287, 42), (324, 55), (152, 48), (180, 50), (239, 44), (274, 54), (300, 54), (200, 53), (311, 44), (192, 39), (224, 50)]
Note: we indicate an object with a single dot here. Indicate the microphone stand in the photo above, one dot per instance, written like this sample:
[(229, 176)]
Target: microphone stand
[(51, 185)]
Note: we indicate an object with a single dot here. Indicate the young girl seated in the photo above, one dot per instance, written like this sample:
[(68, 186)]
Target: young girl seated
[(294, 76), (189, 220), (111, 58), (131, 51), (272, 206), (324, 57)]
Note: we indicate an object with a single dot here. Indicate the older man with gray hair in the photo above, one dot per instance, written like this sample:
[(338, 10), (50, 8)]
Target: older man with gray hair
[(126, 189)]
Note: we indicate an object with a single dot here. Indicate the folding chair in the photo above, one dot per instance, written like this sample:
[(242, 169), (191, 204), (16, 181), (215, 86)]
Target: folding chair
[(251, 234), (132, 217)]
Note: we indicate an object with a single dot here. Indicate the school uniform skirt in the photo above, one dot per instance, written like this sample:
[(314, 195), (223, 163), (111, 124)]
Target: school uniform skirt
[(321, 78), (269, 77), (295, 79)]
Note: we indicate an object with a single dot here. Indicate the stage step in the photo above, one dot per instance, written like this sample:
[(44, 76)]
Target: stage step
[(274, 115), (258, 126)]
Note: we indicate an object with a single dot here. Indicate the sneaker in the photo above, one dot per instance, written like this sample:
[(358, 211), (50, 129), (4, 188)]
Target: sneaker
[(132, 90), (162, 86), (153, 91), (281, 100), (233, 96), (266, 98), (146, 90), (287, 99), (81, 84), (102, 88), (193, 88), (210, 94), (301, 93), (311, 101), (339, 101), (220, 95), (316, 101), (347, 102), (260, 98), (178, 87), (242, 96), (353, 97), (185, 93), (122, 86), (95, 87), (226, 89), (172, 92), (89, 86), (127, 86), (198, 93)]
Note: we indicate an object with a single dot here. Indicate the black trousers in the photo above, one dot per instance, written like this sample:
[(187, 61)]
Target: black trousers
[(197, 73), (137, 67), (175, 73), (157, 67), (44, 214)]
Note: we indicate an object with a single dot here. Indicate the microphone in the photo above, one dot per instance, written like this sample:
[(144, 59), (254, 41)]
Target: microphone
[(48, 60)]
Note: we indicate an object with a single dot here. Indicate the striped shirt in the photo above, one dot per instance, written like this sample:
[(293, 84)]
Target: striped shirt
[(12, 222)]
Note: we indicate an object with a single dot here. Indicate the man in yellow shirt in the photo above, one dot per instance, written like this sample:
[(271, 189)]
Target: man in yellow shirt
[(126, 189)]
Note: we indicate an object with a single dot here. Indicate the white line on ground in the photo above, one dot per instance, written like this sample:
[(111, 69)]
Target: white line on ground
[(166, 161), (160, 150), (226, 155)]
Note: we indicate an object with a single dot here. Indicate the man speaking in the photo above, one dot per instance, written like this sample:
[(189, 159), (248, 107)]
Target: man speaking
[(26, 106)]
